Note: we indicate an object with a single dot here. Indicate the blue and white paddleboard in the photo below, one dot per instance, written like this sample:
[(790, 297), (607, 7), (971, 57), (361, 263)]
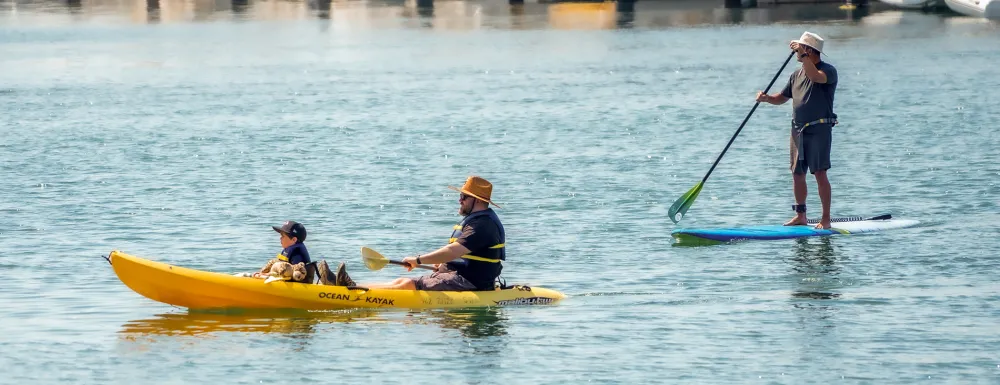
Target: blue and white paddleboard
[(851, 225)]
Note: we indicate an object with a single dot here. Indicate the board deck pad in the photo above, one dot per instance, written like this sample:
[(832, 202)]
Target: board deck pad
[(846, 225)]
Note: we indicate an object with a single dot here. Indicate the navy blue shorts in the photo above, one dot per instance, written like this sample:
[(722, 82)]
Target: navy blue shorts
[(814, 147), (443, 281)]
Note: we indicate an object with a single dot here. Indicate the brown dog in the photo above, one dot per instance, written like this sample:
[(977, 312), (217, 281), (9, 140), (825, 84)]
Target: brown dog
[(283, 270)]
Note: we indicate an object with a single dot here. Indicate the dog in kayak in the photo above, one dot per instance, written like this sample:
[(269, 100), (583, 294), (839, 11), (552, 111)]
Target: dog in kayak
[(284, 271)]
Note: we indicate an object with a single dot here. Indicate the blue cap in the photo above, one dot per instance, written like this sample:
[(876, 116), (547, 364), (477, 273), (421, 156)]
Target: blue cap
[(292, 229)]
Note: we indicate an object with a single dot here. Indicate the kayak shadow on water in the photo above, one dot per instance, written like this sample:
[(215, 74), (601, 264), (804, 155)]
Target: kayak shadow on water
[(271, 321), (471, 323)]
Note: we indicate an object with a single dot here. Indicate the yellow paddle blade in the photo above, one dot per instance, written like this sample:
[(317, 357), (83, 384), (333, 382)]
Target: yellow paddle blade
[(273, 278), (373, 260), (682, 204)]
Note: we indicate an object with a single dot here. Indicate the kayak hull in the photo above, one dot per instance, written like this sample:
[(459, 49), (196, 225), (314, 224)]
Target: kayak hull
[(197, 289), (774, 232)]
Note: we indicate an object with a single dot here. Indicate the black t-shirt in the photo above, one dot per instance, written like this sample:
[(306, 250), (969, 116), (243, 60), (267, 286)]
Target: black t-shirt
[(811, 101), (481, 233)]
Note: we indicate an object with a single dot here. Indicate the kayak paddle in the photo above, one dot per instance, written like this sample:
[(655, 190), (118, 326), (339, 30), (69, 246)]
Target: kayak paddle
[(682, 204), (273, 278), (376, 261)]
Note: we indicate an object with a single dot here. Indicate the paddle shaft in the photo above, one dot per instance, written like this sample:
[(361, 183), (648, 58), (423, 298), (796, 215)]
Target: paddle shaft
[(407, 264), (731, 140)]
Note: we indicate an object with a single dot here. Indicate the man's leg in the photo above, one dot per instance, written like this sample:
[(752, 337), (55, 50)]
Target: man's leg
[(800, 192), (342, 279), (819, 163), (823, 185), (398, 284)]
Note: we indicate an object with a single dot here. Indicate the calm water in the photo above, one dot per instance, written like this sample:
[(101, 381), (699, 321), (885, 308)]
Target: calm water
[(181, 132)]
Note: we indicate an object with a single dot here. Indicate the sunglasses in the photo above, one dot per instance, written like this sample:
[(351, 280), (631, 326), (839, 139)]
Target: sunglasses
[(462, 197)]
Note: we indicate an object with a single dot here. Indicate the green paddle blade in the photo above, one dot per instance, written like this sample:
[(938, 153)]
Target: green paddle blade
[(373, 260), (681, 205)]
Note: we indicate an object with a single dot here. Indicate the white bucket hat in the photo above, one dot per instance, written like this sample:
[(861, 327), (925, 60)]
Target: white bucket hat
[(812, 40)]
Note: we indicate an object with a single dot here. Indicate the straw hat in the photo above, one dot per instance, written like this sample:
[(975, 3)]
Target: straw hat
[(811, 40), (478, 188)]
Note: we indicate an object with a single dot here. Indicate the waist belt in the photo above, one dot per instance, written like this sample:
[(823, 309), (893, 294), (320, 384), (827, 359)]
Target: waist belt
[(797, 136), (800, 128)]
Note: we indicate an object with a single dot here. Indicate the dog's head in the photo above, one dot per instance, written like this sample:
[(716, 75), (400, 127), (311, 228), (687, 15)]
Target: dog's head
[(281, 269), (299, 274)]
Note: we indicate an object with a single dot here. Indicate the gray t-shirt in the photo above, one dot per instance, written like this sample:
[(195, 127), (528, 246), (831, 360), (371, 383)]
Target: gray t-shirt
[(811, 101)]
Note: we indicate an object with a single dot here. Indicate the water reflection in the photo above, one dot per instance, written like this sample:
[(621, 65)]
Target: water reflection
[(459, 14), (814, 255), (74, 6), (626, 14), (152, 11), (240, 7), (815, 264), (471, 323), (282, 322), (484, 332), (320, 8), (425, 8), (582, 15), (517, 18)]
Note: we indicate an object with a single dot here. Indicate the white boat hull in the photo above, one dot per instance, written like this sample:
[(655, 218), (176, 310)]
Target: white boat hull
[(989, 9), (914, 4)]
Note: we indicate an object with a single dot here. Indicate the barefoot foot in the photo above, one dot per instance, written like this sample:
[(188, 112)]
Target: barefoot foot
[(798, 220)]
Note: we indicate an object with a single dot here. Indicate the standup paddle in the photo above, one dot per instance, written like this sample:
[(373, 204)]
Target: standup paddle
[(682, 204), (375, 261)]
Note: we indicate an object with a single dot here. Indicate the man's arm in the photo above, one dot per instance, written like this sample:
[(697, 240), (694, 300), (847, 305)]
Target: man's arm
[(813, 73), (442, 255), (776, 99), (808, 67)]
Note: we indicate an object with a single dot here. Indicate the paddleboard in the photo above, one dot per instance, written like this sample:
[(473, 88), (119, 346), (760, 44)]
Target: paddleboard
[(848, 225)]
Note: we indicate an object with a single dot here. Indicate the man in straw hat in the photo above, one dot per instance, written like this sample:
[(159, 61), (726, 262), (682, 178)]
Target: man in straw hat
[(472, 258), (811, 89)]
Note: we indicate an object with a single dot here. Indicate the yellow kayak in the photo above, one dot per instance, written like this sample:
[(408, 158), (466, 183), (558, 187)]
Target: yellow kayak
[(196, 289)]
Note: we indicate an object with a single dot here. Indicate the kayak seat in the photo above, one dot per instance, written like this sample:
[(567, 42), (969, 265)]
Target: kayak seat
[(311, 272)]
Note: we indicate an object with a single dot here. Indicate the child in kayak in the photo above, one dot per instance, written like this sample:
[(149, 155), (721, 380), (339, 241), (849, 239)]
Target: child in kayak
[(293, 260)]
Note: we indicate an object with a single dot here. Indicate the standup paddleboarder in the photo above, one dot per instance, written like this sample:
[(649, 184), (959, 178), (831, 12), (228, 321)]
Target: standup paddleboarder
[(811, 89)]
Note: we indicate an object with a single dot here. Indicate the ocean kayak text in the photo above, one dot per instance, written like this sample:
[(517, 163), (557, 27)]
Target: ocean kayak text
[(345, 297)]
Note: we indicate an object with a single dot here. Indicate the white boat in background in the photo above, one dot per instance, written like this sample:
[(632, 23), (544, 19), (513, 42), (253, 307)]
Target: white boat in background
[(897, 17), (914, 4), (989, 9)]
